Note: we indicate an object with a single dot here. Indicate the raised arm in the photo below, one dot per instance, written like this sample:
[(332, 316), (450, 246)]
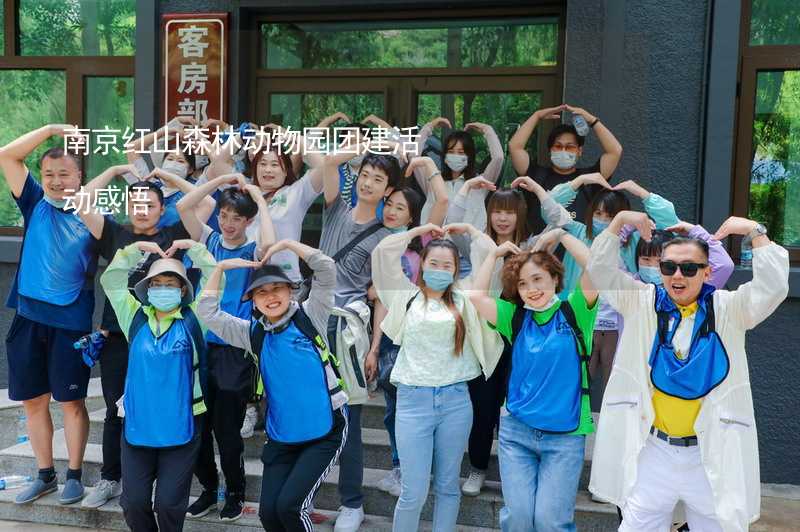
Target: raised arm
[(516, 146), (622, 292), (753, 302), (201, 259), (266, 230), (230, 328), (93, 220), (718, 259), (188, 205), (387, 270), (13, 154), (479, 294), (661, 210), (495, 166), (553, 212), (435, 185), (457, 209), (578, 250), (424, 134), (612, 149)]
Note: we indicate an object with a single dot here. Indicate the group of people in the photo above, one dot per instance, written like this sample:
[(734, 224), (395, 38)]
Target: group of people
[(474, 307)]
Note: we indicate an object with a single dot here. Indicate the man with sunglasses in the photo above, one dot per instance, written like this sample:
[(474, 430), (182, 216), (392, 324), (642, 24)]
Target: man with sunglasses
[(565, 147), (677, 421)]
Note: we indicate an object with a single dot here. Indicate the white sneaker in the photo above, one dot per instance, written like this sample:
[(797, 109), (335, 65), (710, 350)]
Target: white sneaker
[(104, 491), (349, 519), (474, 483), (249, 423), (391, 482)]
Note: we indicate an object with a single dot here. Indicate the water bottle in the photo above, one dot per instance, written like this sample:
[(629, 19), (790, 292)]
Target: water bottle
[(22, 429), (580, 125), (746, 254), (221, 497), (13, 481)]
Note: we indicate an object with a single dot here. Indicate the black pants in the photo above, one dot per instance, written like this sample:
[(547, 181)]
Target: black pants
[(230, 381), (171, 470), (293, 474), (487, 398), (113, 369)]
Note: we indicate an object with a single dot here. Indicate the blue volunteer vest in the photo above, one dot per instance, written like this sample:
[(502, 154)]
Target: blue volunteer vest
[(545, 382), (58, 256), (707, 363), (299, 405), (159, 387)]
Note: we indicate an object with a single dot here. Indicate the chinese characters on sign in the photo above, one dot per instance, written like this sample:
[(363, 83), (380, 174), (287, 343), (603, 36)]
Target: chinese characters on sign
[(195, 66)]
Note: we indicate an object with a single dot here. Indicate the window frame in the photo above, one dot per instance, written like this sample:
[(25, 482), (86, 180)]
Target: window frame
[(752, 60), (76, 69)]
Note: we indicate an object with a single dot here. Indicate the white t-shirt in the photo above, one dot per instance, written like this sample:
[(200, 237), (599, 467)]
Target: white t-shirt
[(288, 208)]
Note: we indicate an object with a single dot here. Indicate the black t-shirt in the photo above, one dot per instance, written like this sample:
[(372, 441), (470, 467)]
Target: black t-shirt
[(549, 178), (115, 237)]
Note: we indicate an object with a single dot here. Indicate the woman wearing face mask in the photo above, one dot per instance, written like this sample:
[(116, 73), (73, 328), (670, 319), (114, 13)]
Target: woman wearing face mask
[(401, 213), (507, 215), (443, 345), (542, 434), (163, 396), (460, 165), (565, 147), (648, 254)]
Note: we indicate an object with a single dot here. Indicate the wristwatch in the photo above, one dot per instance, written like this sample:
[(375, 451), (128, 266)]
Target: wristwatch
[(758, 230)]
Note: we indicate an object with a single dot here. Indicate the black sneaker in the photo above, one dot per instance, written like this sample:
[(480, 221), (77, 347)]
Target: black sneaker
[(203, 504), (234, 507)]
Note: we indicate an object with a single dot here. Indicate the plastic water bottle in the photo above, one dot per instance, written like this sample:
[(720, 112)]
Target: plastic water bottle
[(13, 481), (580, 125), (22, 429), (746, 253), (221, 497)]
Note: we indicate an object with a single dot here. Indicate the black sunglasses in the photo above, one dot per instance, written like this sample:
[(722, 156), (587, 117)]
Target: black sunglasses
[(688, 269)]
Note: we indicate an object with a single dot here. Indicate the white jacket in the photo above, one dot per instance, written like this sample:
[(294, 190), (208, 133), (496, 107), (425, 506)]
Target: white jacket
[(725, 426), (395, 291)]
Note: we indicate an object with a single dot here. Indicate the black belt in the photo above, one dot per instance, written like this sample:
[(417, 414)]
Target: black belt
[(688, 441)]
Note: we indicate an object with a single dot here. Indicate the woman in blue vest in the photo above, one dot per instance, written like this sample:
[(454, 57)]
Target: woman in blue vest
[(547, 415), (163, 395), (306, 426)]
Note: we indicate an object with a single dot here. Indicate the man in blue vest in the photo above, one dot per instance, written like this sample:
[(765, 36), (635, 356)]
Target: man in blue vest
[(53, 295)]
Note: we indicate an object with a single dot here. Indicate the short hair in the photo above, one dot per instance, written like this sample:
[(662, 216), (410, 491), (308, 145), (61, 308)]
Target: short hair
[(386, 163), (58, 153), (560, 130), (512, 266), (238, 201), (654, 246), (284, 161), (679, 240), (150, 186), (611, 201)]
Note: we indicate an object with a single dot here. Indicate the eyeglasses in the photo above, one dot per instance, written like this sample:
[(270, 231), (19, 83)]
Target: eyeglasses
[(569, 148), (688, 269)]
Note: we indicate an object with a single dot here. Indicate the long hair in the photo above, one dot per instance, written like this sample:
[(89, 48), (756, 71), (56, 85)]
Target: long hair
[(447, 297), (469, 150), (508, 200), (611, 201), (512, 266), (415, 202)]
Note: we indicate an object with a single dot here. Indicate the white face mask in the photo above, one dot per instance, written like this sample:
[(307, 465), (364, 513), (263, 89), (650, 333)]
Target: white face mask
[(553, 301), (563, 159), (175, 168), (455, 162)]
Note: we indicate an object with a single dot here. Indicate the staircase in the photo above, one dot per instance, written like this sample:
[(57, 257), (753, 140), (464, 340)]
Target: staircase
[(477, 513)]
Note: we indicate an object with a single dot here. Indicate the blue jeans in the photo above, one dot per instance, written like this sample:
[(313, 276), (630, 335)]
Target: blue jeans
[(432, 427), (540, 473)]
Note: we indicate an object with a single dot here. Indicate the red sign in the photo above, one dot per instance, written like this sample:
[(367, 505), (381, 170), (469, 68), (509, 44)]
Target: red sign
[(195, 65)]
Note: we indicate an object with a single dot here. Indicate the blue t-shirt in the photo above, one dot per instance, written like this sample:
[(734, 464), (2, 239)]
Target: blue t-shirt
[(57, 265), (171, 215), (235, 280)]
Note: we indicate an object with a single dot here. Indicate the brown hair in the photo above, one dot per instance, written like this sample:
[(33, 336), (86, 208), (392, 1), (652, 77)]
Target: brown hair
[(283, 160), (508, 200), (447, 297), (512, 266)]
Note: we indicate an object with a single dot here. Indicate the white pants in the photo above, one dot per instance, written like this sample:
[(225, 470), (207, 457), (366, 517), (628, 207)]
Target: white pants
[(668, 474)]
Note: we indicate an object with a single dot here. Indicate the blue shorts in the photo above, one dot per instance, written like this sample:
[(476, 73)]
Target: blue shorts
[(41, 360)]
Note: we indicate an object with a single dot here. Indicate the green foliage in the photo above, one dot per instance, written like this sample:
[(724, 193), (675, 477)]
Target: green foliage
[(77, 27), (775, 22)]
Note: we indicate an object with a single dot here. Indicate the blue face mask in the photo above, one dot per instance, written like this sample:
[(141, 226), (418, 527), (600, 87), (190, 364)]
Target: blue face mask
[(650, 274), (437, 280), (58, 204), (598, 226), (164, 298), (395, 230)]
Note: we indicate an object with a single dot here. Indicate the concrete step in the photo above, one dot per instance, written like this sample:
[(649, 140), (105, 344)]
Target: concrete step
[(110, 517), (480, 511), (377, 452), (11, 410)]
